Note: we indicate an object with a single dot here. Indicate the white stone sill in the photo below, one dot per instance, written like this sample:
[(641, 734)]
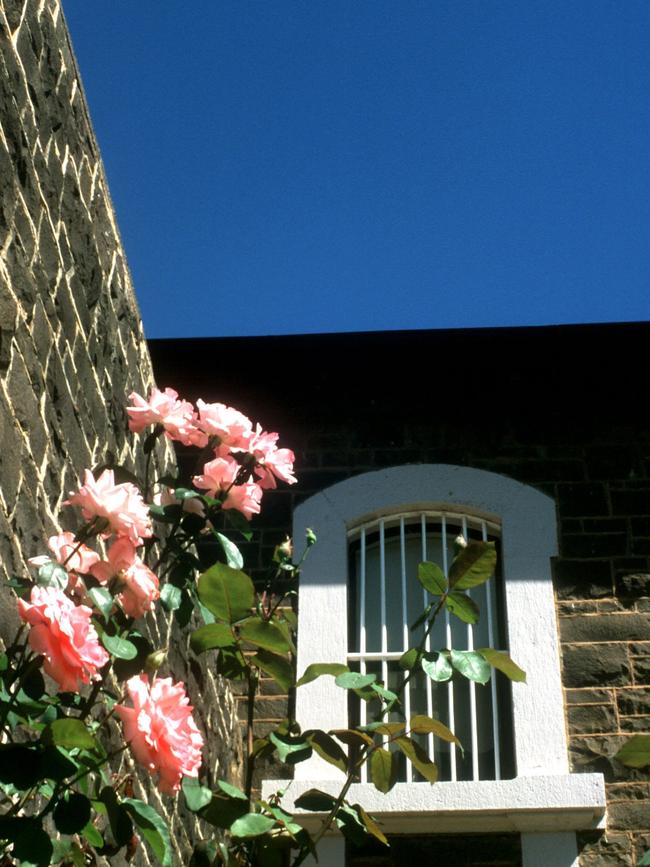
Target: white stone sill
[(566, 802)]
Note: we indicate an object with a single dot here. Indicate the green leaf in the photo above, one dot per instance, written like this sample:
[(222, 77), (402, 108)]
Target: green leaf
[(228, 593), (291, 749), (351, 825), (92, 835), (371, 826), (152, 827), (354, 680), (424, 725), (122, 648), (438, 669), (251, 825), (20, 766), (71, 813), (171, 597), (385, 728), (635, 753), (231, 791), (318, 669), (386, 694), (418, 758), (239, 522), (102, 600), (352, 737), (196, 795), (645, 861), (231, 663), (52, 575), (432, 578), (315, 801), (210, 636), (185, 494), (118, 817), (474, 565), (32, 845), (233, 554), (69, 733), (471, 665), (463, 607), (383, 769), (327, 749), (499, 659), (223, 810), (264, 634), (277, 667), (408, 660)]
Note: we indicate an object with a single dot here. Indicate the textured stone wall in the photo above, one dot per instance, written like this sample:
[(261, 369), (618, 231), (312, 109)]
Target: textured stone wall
[(562, 409), (71, 341)]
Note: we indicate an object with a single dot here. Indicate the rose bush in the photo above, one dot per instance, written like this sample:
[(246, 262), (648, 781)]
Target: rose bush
[(136, 551)]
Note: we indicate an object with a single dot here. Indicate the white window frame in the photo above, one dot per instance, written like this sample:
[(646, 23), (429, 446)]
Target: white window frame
[(544, 801)]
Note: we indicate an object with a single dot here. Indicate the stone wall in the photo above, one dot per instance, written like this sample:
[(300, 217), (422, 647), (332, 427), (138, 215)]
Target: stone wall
[(71, 341), (562, 409)]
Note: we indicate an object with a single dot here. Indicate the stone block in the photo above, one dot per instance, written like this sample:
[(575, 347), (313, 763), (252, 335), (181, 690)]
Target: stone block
[(595, 665), (605, 627), (588, 719), (582, 499), (583, 579), (634, 701)]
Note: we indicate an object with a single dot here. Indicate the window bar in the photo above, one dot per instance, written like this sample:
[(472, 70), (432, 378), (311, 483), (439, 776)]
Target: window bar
[(450, 685), (425, 599), (472, 685), (493, 684), (362, 637), (382, 592), (405, 632)]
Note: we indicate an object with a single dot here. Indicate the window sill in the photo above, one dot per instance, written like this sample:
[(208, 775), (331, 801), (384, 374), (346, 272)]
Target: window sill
[(563, 802)]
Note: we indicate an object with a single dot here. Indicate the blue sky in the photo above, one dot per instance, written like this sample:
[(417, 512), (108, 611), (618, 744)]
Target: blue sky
[(286, 167)]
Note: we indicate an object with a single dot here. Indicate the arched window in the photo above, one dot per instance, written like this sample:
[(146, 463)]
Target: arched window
[(349, 606)]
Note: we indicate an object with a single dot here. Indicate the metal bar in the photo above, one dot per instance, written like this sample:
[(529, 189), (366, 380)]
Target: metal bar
[(362, 638), (382, 587), (390, 655), (450, 685), (472, 686), (493, 684), (405, 632), (425, 599)]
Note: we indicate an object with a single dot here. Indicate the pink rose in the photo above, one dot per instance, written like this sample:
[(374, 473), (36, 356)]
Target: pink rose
[(272, 462), (160, 730), (231, 426), (63, 633), (163, 407), (121, 505), (219, 475), (74, 558), (137, 584)]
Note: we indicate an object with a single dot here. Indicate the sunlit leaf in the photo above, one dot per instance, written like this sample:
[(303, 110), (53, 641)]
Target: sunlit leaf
[(499, 659), (170, 597), (432, 578), (460, 605), (408, 660), (291, 749), (438, 669), (474, 565), (318, 669), (69, 733), (122, 648), (371, 826), (418, 758), (251, 825), (52, 574), (354, 680), (233, 555), (383, 769), (471, 665), (152, 827), (264, 634), (102, 600), (228, 593), (635, 753), (210, 636), (352, 737), (196, 795), (423, 725)]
